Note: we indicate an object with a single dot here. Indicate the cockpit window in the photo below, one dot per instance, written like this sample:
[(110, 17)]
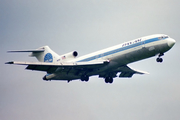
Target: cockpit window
[(165, 36), (162, 37)]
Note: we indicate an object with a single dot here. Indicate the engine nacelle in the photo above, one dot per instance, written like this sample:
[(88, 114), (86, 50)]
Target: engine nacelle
[(68, 56)]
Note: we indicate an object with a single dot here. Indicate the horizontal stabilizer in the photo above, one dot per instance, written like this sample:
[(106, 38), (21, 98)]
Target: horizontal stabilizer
[(37, 50)]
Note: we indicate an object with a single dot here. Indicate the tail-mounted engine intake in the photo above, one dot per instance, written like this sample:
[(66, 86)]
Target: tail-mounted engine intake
[(69, 56)]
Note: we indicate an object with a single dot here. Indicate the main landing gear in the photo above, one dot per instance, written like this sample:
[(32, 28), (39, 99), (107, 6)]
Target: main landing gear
[(85, 78), (108, 80), (159, 59)]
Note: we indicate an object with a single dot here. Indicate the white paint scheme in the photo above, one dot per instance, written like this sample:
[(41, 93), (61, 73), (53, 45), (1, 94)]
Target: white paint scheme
[(106, 63)]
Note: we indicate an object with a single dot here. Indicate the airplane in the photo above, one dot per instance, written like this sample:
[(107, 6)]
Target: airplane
[(106, 63)]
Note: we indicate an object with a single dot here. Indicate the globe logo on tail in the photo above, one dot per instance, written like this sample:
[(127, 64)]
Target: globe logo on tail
[(48, 57)]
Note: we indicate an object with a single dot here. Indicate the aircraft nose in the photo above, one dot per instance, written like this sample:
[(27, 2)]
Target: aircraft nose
[(171, 42)]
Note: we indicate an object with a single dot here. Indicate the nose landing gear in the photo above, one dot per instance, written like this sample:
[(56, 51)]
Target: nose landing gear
[(159, 59)]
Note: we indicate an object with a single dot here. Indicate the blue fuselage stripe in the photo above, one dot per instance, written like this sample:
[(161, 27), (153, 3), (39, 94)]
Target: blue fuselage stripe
[(121, 49)]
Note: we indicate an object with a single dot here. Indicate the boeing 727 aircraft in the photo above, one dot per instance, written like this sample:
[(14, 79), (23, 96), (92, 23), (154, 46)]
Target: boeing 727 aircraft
[(105, 63)]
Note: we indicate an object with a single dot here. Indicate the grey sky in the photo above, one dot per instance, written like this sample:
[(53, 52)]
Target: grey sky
[(88, 26)]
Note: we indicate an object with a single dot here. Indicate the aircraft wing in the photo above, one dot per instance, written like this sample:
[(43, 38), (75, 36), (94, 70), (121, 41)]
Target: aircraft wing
[(129, 72), (124, 71), (77, 67), (52, 67)]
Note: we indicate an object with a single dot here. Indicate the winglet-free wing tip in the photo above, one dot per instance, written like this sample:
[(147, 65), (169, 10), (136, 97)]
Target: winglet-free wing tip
[(11, 62), (140, 72), (143, 72)]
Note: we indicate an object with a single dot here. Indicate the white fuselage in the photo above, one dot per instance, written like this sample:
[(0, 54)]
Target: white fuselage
[(133, 50)]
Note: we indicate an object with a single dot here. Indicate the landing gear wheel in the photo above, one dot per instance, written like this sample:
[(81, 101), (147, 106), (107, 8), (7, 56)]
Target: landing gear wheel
[(111, 80), (85, 78), (108, 80), (159, 60)]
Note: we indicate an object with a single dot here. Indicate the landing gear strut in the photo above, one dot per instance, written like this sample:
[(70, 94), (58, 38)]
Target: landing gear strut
[(108, 80), (159, 59)]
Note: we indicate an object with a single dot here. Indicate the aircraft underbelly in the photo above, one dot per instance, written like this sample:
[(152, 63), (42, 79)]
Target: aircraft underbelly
[(65, 76)]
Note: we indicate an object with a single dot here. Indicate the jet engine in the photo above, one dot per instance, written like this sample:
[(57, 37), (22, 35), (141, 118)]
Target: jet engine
[(68, 56)]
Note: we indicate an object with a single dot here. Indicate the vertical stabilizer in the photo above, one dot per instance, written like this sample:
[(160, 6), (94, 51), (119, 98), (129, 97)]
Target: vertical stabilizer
[(43, 54), (47, 55)]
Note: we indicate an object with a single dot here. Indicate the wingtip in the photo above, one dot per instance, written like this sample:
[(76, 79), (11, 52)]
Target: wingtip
[(11, 62), (143, 72), (147, 73)]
